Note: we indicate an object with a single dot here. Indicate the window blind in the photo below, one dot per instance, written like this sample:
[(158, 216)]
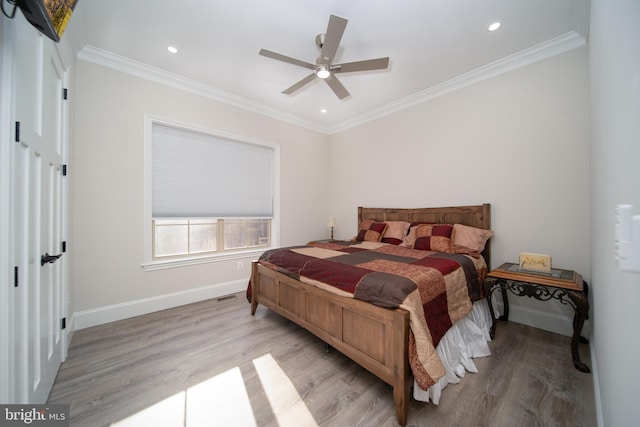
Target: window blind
[(200, 175)]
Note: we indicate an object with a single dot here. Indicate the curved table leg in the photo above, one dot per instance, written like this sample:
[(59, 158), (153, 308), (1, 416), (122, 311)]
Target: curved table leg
[(505, 301), (490, 286), (581, 314), (585, 287)]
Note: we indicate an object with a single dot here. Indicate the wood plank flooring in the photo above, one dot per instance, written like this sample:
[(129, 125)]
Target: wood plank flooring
[(213, 364)]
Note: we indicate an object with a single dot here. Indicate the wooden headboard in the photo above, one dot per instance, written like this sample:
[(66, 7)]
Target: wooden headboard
[(475, 216)]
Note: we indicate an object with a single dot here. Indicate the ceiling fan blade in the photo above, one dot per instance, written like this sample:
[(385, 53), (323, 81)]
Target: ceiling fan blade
[(284, 58), (337, 87), (369, 64), (301, 83), (332, 38)]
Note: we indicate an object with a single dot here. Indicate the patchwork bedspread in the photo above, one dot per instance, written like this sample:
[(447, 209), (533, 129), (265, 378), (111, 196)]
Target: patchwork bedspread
[(437, 289)]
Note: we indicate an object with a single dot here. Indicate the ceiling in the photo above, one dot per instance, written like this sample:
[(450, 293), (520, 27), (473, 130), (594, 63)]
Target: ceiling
[(432, 44)]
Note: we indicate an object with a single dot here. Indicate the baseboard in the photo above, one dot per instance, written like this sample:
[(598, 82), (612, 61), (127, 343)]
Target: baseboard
[(551, 322), (596, 385), (98, 316)]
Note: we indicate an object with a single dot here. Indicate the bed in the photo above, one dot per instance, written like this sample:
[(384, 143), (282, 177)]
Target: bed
[(385, 338)]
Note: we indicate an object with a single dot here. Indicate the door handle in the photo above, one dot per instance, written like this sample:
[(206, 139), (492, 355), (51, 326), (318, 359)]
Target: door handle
[(46, 258)]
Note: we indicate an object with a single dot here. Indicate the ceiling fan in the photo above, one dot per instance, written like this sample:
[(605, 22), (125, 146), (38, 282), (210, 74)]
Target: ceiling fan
[(324, 67)]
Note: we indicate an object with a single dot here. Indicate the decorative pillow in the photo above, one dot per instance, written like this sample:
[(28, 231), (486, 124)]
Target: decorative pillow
[(470, 239), (396, 232), (410, 239), (370, 231), (434, 237)]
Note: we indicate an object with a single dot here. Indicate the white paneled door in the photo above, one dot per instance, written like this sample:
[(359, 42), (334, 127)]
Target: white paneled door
[(37, 217)]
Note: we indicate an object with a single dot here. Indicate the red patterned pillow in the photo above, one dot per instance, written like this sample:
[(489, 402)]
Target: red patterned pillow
[(410, 238), (434, 237), (370, 231)]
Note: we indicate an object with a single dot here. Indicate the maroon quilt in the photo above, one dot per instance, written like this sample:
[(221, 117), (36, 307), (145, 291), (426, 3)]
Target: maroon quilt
[(436, 288)]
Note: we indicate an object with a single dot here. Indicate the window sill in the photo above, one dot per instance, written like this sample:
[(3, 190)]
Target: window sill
[(183, 262)]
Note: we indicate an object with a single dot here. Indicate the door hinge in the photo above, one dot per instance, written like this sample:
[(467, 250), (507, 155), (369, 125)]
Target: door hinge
[(64, 170), (63, 323), (64, 93), (17, 131), (63, 246), (15, 276)]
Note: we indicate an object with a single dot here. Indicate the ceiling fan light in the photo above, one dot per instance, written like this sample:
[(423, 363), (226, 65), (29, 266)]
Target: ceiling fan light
[(323, 72)]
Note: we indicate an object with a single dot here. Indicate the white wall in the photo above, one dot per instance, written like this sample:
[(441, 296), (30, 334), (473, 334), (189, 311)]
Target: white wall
[(615, 178), (518, 141), (107, 176)]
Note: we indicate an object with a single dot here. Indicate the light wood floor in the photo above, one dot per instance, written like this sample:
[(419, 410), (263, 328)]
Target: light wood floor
[(212, 364)]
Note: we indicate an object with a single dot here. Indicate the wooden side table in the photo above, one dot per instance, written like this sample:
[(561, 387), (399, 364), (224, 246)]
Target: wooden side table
[(565, 286)]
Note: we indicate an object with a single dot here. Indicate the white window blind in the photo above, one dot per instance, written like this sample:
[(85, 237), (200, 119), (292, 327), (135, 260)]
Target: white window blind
[(200, 175)]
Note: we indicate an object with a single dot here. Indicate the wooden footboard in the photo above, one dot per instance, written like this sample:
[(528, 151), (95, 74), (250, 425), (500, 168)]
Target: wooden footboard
[(374, 337)]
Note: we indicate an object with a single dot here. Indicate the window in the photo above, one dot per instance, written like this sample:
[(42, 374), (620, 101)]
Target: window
[(180, 237), (211, 195)]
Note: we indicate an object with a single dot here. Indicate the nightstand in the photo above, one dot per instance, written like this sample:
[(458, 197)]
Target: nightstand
[(565, 286)]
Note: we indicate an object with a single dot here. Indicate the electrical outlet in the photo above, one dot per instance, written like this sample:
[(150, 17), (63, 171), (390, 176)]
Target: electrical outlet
[(240, 265), (627, 239)]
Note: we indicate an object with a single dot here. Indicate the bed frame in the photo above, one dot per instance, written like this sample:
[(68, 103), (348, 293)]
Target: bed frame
[(374, 337)]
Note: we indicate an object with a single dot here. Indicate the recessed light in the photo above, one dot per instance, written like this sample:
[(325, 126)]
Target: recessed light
[(172, 49), (323, 110), (494, 26)]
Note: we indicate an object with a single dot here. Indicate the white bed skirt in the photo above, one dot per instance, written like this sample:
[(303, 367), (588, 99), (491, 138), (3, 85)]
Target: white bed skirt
[(465, 340)]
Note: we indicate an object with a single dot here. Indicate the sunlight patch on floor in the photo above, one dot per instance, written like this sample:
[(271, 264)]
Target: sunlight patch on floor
[(221, 400), (168, 412), (288, 407)]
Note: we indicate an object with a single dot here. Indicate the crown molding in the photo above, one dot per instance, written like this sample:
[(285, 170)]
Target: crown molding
[(108, 59), (583, 16), (548, 49)]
